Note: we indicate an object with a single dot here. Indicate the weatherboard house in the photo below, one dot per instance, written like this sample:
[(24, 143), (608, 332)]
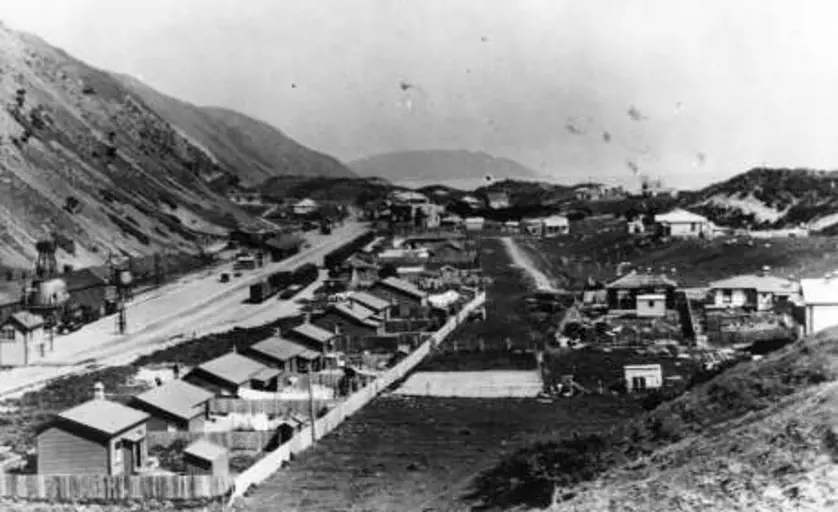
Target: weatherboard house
[(624, 293), (753, 291), (684, 224), (226, 375), (175, 405), (820, 299)]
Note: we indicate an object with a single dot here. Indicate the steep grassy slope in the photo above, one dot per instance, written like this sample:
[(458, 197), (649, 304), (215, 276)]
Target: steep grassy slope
[(439, 166), (771, 198), (258, 150), (760, 436), (84, 156)]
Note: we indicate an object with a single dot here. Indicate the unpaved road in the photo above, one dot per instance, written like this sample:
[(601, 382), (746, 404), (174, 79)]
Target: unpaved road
[(520, 258), (197, 303)]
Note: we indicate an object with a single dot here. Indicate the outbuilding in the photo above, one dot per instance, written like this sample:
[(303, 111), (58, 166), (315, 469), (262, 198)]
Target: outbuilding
[(23, 339), (556, 225), (97, 437), (640, 377), (205, 458), (651, 305), (820, 299)]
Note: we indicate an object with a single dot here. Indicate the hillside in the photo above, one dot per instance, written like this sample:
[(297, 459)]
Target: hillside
[(770, 198), (439, 167), (356, 191), (258, 150), (83, 156), (760, 436)]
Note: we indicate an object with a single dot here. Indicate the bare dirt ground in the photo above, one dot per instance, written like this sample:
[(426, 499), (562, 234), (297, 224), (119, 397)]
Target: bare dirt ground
[(478, 384), (522, 260)]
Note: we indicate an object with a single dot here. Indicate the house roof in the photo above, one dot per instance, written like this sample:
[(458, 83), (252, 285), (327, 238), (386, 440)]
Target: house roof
[(86, 278), (403, 286), (312, 332), (106, 417), (284, 242), (635, 280), (357, 313), (232, 367), (680, 215), (175, 397), (307, 202), (205, 450), (474, 220), (651, 296), (819, 291), (556, 220), (770, 284), (26, 320), (279, 348), (497, 196), (369, 301)]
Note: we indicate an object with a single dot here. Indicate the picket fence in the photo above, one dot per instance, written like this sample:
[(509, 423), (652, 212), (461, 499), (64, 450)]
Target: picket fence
[(271, 407), (75, 488), (273, 461)]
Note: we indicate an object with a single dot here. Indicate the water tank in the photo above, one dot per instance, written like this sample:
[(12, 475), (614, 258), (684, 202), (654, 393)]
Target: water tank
[(125, 278), (50, 293)]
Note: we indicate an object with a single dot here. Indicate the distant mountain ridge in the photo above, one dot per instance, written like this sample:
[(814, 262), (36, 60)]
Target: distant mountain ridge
[(440, 166), (258, 150)]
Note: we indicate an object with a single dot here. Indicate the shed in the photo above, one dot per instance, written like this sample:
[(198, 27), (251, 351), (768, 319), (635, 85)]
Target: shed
[(651, 305), (640, 377), (23, 339), (205, 458), (96, 437)]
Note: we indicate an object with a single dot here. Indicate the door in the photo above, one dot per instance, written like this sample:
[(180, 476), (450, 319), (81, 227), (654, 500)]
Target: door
[(127, 457), (638, 383)]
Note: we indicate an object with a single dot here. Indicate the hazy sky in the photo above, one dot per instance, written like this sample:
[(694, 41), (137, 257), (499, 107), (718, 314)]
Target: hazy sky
[(741, 82)]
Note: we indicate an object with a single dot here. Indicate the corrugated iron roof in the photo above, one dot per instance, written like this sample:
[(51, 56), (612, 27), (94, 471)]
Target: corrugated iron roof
[(635, 280), (404, 287), (27, 320), (278, 348), (369, 301), (765, 283), (233, 368), (104, 416), (680, 215), (312, 332), (819, 291), (356, 313), (175, 397), (205, 450)]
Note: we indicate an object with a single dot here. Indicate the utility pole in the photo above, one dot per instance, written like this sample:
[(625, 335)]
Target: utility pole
[(311, 412)]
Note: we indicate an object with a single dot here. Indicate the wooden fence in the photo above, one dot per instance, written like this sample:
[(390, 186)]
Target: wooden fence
[(74, 488), (268, 465), (267, 406), (253, 441)]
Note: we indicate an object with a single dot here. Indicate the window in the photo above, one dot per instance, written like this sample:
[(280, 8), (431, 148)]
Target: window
[(8, 333), (692, 226), (651, 304), (638, 383), (727, 296)]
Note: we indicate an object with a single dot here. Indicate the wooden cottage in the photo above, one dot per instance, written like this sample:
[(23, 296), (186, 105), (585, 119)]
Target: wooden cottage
[(176, 405), (205, 458), (378, 306), (351, 322), (225, 375), (311, 336), (23, 339), (623, 292), (286, 355), (97, 437), (404, 296)]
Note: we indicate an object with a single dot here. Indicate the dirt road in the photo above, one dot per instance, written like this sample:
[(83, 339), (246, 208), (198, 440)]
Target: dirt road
[(520, 258), (198, 303)]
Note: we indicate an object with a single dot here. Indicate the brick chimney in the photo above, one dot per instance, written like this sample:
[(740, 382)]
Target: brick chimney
[(98, 391)]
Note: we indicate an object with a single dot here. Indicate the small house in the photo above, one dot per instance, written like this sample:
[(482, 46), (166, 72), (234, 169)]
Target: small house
[(497, 200), (511, 226), (681, 223), (284, 246), (651, 305), (350, 321), (820, 299), (760, 292), (534, 227), (305, 207), (23, 339), (405, 296), (377, 305), (175, 405), (226, 374), (472, 202), (556, 225), (97, 437), (641, 377), (475, 223), (623, 292), (311, 336), (205, 458), (286, 355)]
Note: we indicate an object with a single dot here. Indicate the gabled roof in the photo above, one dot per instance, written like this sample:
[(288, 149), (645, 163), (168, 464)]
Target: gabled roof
[(278, 348), (635, 280), (105, 417), (403, 286), (356, 313), (232, 367), (26, 321), (556, 220), (307, 202), (205, 450), (314, 333), (819, 291), (768, 284), (474, 220), (369, 301), (680, 215), (176, 397)]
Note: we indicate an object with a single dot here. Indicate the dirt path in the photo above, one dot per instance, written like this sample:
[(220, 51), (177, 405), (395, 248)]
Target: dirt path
[(521, 259)]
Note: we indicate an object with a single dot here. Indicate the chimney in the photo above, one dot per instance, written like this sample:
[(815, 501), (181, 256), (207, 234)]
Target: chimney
[(278, 332), (98, 391), (307, 318), (176, 371)]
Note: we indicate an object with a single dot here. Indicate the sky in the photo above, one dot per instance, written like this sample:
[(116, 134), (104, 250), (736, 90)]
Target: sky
[(716, 86)]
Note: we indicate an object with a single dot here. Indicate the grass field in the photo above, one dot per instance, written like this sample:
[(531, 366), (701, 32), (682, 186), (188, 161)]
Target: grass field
[(596, 246), (403, 453)]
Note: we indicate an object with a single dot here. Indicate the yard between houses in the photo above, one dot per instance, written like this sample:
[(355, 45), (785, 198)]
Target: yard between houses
[(402, 453), (480, 384), (596, 246)]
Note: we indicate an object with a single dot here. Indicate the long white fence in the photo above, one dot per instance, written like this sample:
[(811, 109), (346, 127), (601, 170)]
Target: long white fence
[(272, 462)]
